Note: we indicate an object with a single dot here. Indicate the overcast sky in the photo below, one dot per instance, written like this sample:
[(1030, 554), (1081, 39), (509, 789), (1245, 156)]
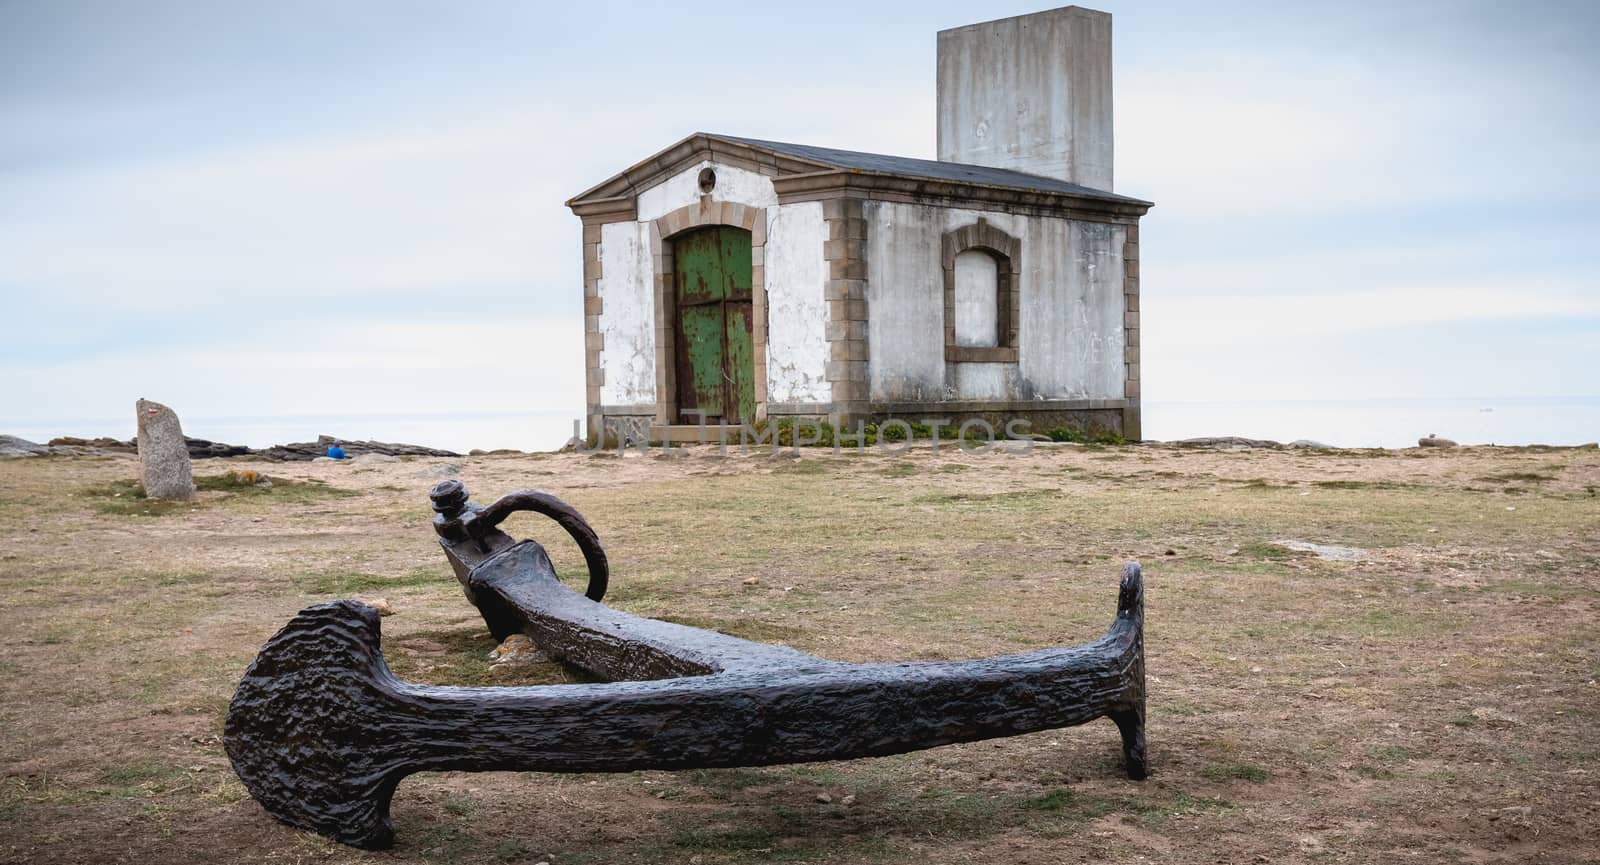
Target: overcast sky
[(284, 208)]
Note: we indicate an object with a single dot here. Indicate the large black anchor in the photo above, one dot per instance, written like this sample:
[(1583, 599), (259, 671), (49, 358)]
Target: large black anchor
[(321, 732)]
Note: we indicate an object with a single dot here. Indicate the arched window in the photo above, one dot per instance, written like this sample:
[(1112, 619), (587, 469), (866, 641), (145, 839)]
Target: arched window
[(980, 294)]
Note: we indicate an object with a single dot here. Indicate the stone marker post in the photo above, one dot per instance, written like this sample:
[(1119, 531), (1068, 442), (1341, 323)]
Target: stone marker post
[(163, 455)]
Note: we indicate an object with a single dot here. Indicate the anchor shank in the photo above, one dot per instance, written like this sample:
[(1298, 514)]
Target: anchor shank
[(519, 584)]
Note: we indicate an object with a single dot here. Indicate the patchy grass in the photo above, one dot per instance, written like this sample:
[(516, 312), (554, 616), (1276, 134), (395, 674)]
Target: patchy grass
[(1234, 772), (1267, 552), (943, 812), (721, 782), (749, 629), (1552, 592), (1363, 485), (1526, 477), (447, 844), (1056, 800), (1290, 698), (726, 839), (901, 470), (802, 467), (345, 584), (127, 498), (137, 777), (1006, 498), (513, 850)]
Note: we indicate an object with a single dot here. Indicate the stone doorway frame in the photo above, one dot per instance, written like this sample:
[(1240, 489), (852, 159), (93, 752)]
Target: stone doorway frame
[(703, 213)]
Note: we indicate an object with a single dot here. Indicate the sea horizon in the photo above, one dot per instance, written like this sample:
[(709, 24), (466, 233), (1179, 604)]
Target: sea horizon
[(1356, 423)]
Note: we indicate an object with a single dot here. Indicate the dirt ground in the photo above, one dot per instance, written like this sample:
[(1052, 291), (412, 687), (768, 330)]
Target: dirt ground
[(1433, 699)]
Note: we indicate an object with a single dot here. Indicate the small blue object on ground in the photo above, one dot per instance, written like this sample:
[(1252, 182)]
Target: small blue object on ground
[(335, 452)]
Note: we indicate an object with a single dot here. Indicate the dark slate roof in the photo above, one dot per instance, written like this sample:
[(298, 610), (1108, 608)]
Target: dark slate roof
[(929, 169)]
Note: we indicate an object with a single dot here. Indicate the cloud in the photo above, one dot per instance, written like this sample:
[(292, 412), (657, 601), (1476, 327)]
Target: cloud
[(1341, 122), (476, 202), (1212, 319), (287, 222), (346, 368)]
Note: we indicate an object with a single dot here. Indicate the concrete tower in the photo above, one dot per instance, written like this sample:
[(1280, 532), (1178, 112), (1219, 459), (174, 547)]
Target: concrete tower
[(1031, 93)]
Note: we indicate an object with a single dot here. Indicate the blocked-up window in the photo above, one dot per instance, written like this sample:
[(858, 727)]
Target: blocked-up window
[(977, 298), (981, 294)]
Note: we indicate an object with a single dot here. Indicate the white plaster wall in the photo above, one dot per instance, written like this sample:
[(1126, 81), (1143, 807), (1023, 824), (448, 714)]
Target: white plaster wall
[(627, 320), (683, 189), (905, 302), (797, 314), (1070, 336)]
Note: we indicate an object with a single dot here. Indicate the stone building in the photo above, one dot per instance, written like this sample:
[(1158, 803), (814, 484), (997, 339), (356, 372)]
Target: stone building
[(745, 279)]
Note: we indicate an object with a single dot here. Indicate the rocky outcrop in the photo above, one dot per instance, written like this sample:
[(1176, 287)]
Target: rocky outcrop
[(1226, 443), (95, 446), (200, 449), (369, 459), (305, 451), (12, 446)]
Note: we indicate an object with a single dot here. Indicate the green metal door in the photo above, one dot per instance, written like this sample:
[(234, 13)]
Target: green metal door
[(715, 352)]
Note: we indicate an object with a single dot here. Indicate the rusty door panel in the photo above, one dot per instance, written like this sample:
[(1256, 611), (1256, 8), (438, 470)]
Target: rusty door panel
[(741, 390), (734, 246), (698, 261), (712, 277), (700, 329)]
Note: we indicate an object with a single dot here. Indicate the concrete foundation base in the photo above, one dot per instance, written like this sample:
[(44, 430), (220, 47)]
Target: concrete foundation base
[(1089, 417)]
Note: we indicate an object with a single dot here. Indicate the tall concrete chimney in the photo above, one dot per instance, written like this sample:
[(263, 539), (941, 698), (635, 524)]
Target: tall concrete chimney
[(1031, 93)]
